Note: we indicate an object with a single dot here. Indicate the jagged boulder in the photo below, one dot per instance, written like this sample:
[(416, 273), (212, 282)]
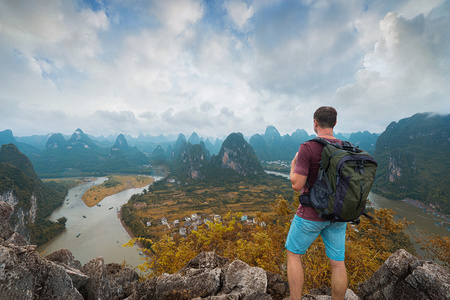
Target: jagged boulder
[(403, 276), (97, 286), (208, 276), (120, 280), (24, 274), (65, 259)]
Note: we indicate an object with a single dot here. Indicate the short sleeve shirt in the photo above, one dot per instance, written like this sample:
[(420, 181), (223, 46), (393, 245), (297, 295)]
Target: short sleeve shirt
[(307, 164)]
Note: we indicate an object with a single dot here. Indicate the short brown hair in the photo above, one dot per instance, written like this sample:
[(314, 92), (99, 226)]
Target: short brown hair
[(326, 116)]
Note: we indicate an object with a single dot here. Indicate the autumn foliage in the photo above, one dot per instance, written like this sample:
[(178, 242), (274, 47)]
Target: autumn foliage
[(368, 245)]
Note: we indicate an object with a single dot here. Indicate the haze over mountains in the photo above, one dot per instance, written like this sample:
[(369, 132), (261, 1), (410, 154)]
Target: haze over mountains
[(269, 145)]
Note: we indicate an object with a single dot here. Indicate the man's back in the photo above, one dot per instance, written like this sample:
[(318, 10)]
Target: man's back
[(307, 164)]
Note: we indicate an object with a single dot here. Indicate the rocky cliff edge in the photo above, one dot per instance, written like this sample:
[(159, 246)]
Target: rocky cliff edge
[(24, 274)]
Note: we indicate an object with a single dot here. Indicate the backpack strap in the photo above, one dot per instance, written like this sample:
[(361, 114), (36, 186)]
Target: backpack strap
[(346, 145)]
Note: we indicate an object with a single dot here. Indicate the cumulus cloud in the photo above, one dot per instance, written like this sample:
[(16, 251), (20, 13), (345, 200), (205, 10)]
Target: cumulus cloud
[(405, 73), (219, 67), (178, 15), (239, 12)]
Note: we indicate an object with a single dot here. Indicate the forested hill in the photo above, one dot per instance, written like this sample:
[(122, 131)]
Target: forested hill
[(235, 158), (412, 158), (33, 199)]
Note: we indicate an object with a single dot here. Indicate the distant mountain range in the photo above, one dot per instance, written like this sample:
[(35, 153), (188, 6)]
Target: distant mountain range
[(272, 146), (268, 146), (79, 155)]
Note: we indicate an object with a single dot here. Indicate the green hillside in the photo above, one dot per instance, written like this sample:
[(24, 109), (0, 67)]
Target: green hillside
[(412, 158), (17, 177)]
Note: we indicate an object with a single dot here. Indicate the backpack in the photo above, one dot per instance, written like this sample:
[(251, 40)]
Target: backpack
[(345, 177)]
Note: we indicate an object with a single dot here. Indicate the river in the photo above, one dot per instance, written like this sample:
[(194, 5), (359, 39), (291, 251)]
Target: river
[(99, 230)]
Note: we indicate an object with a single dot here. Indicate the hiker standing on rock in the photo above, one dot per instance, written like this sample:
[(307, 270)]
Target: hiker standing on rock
[(307, 225)]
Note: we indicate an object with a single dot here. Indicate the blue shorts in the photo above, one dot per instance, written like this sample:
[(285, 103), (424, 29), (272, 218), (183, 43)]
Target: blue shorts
[(303, 233)]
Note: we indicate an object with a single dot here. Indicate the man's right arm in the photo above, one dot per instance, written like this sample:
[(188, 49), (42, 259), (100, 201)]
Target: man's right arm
[(298, 181)]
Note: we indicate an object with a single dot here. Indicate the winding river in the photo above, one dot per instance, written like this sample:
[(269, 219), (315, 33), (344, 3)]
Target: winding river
[(94, 231)]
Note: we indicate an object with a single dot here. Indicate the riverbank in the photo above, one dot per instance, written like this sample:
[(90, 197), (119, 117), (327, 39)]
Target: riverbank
[(115, 184), (430, 208), (130, 233)]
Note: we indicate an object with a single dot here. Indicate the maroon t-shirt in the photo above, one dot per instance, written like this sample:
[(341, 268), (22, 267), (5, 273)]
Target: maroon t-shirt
[(307, 164)]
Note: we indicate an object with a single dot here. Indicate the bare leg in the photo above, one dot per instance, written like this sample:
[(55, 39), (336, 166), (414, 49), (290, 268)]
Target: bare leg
[(338, 279), (295, 275)]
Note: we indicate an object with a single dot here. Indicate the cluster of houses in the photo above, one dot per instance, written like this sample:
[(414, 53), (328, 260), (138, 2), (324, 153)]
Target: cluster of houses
[(192, 223), (278, 163)]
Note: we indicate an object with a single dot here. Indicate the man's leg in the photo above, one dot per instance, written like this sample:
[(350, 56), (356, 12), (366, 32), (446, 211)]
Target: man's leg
[(338, 279), (295, 275)]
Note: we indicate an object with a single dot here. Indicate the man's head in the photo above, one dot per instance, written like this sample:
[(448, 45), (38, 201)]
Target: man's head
[(326, 116)]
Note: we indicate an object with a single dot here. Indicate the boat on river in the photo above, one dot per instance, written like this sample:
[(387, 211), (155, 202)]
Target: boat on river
[(78, 234)]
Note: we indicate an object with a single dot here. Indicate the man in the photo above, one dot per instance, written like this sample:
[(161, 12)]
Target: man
[(307, 225)]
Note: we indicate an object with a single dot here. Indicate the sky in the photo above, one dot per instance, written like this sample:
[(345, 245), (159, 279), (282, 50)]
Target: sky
[(217, 67)]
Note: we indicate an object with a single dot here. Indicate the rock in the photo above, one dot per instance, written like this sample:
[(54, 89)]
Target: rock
[(403, 276), (97, 286), (195, 284), (324, 293), (143, 290), (277, 288), (78, 278), (433, 279), (64, 256), (24, 274), (240, 276), (202, 277), (120, 280), (209, 276), (6, 210), (207, 260)]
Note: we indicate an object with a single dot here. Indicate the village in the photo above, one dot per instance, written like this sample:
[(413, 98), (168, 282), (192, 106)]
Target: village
[(192, 222)]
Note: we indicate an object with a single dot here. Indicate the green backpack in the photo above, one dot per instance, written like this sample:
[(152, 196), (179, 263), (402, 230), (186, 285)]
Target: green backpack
[(343, 183)]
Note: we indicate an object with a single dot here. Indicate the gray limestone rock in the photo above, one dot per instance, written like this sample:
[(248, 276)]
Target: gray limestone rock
[(120, 280), (403, 276), (64, 256), (202, 283), (240, 276), (6, 210), (97, 286), (25, 275)]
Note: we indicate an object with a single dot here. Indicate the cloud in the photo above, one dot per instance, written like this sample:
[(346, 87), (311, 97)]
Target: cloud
[(219, 67), (405, 73), (239, 12), (177, 15)]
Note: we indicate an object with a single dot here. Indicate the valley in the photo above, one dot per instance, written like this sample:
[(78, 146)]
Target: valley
[(175, 203)]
